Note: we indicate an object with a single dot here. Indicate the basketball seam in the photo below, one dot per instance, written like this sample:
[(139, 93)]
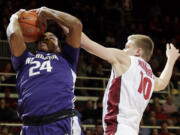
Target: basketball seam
[(30, 12), (31, 35), (27, 23)]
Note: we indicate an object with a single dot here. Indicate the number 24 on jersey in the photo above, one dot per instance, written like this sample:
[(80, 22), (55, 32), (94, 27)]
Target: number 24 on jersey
[(46, 65)]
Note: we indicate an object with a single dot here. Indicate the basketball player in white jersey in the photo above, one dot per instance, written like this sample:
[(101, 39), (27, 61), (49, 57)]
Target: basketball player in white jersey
[(131, 83)]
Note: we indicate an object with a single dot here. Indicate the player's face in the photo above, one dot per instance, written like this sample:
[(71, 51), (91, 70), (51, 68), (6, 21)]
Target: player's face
[(48, 43), (130, 48)]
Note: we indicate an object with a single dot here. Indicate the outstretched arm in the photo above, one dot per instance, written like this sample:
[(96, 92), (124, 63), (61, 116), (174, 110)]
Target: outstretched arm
[(118, 58), (172, 55), (72, 23), (15, 36), (109, 54)]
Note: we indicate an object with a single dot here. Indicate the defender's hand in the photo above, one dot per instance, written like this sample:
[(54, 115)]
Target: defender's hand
[(42, 16), (172, 53)]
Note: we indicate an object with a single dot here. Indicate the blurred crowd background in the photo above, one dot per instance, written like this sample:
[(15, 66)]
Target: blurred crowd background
[(108, 22)]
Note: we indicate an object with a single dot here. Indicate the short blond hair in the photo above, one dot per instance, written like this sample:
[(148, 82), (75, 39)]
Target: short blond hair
[(144, 42)]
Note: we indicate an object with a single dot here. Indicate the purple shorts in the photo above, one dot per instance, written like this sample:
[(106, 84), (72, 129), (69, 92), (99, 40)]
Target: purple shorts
[(68, 126)]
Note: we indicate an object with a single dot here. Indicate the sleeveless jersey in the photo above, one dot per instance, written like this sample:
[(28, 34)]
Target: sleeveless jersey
[(126, 98), (45, 81)]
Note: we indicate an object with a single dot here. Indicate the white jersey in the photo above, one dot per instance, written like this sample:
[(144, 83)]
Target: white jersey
[(126, 98)]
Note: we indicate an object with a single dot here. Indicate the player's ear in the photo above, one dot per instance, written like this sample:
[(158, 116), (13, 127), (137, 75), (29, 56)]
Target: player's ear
[(139, 52)]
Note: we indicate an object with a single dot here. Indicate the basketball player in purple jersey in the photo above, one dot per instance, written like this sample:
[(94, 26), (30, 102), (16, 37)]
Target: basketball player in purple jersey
[(45, 81)]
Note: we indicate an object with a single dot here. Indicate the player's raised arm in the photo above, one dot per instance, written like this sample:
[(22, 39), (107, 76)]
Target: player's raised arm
[(111, 55), (72, 23), (172, 55), (15, 36)]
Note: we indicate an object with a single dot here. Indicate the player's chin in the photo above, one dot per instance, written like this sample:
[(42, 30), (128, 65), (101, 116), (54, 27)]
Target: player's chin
[(52, 50), (43, 48), (51, 47), (55, 49)]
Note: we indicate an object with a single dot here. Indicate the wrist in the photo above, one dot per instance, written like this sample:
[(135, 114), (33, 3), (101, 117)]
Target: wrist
[(49, 14), (46, 12), (170, 61)]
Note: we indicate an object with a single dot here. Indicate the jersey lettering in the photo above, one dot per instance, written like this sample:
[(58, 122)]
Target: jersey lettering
[(145, 86)]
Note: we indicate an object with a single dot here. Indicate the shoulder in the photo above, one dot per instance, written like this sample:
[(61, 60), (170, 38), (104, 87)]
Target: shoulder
[(119, 56), (122, 64)]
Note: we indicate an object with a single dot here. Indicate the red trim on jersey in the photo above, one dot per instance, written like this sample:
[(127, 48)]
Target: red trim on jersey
[(112, 109)]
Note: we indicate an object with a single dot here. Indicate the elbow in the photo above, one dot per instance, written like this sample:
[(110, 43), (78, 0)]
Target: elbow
[(76, 24), (164, 84), (161, 86)]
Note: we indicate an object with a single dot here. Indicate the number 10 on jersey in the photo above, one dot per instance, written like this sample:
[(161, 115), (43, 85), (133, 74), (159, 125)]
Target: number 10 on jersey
[(145, 86)]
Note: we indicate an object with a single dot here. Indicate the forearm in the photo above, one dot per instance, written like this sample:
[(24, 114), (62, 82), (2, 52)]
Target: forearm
[(73, 24), (167, 72), (13, 27), (96, 49), (89, 45), (172, 55), (62, 18), (15, 36)]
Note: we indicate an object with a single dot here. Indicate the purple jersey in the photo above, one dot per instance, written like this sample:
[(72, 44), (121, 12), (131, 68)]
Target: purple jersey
[(45, 81)]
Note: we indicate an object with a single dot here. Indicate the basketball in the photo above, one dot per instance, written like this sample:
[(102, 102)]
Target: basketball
[(28, 21)]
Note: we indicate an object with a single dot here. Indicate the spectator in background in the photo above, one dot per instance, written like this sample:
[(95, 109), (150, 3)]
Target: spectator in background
[(91, 61), (152, 121), (175, 79), (11, 104), (82, 67), (110, 38), (167, 27), (3, 26), (98, 110), (146, 114), (144, 131), (5, 131), (9, 100), (155, 26), (169, 106), (88, 114), (7, 78), (155, 103), (6, 114), (88, 132), (99, 130), (160, 114), (152, 114), (164, 129), (178, 119), (99, 71), (170, 122), (155, 131)]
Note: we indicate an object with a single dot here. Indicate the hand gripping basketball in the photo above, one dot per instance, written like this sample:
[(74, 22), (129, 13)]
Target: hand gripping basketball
[(30, 27)]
